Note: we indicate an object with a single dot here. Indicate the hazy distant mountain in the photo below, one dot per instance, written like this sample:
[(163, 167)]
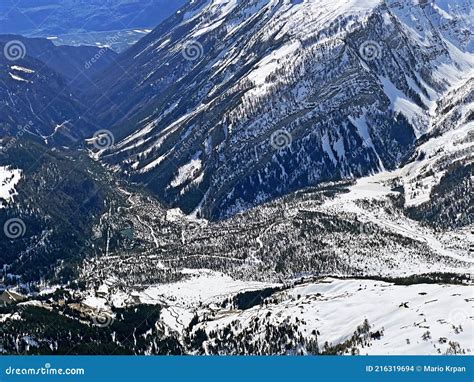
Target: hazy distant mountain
[(77, 64), (36, 100), (77, 22)]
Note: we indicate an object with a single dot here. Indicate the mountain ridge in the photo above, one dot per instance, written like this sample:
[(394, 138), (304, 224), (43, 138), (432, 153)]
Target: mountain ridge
[(187, 149), (258, 177)]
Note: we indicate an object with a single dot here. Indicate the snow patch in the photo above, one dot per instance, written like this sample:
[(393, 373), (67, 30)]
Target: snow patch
[(8, 180), (188, 172)]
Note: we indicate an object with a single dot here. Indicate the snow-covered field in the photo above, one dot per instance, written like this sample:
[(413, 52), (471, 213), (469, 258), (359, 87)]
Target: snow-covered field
[(415, 319), (200, 288), (378, 187), (203, 286)]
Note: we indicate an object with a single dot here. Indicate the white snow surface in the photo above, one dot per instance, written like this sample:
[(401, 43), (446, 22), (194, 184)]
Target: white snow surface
[(404, 313), (21, 69), (96, 302), (436, 148), (188, 172), (180, 300), (202, 286), (17, 78), (378, 187), (8, 180)]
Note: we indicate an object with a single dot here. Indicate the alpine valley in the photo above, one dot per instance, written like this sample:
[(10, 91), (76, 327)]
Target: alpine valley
[(250, 177)]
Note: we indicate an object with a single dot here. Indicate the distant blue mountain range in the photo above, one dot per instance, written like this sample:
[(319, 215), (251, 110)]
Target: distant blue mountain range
[(89, 22)]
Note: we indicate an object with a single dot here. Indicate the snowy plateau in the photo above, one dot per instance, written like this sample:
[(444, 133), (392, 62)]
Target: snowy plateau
[(251, 177)]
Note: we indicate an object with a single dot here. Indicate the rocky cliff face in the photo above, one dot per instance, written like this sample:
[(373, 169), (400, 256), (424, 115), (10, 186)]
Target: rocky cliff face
[(231, 103)]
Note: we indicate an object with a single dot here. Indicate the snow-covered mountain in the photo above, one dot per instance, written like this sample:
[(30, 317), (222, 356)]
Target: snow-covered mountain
[(35, 100), (321, 156), (231, 103), (438, 179), (75, 63), (40, 88)]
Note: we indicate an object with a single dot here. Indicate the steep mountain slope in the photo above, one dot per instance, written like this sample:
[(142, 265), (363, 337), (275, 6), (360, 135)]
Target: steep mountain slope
[(231, 103), (37, 101), (438, 180), (47, 220), (281, 95), (76, 64), (49, 195)]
